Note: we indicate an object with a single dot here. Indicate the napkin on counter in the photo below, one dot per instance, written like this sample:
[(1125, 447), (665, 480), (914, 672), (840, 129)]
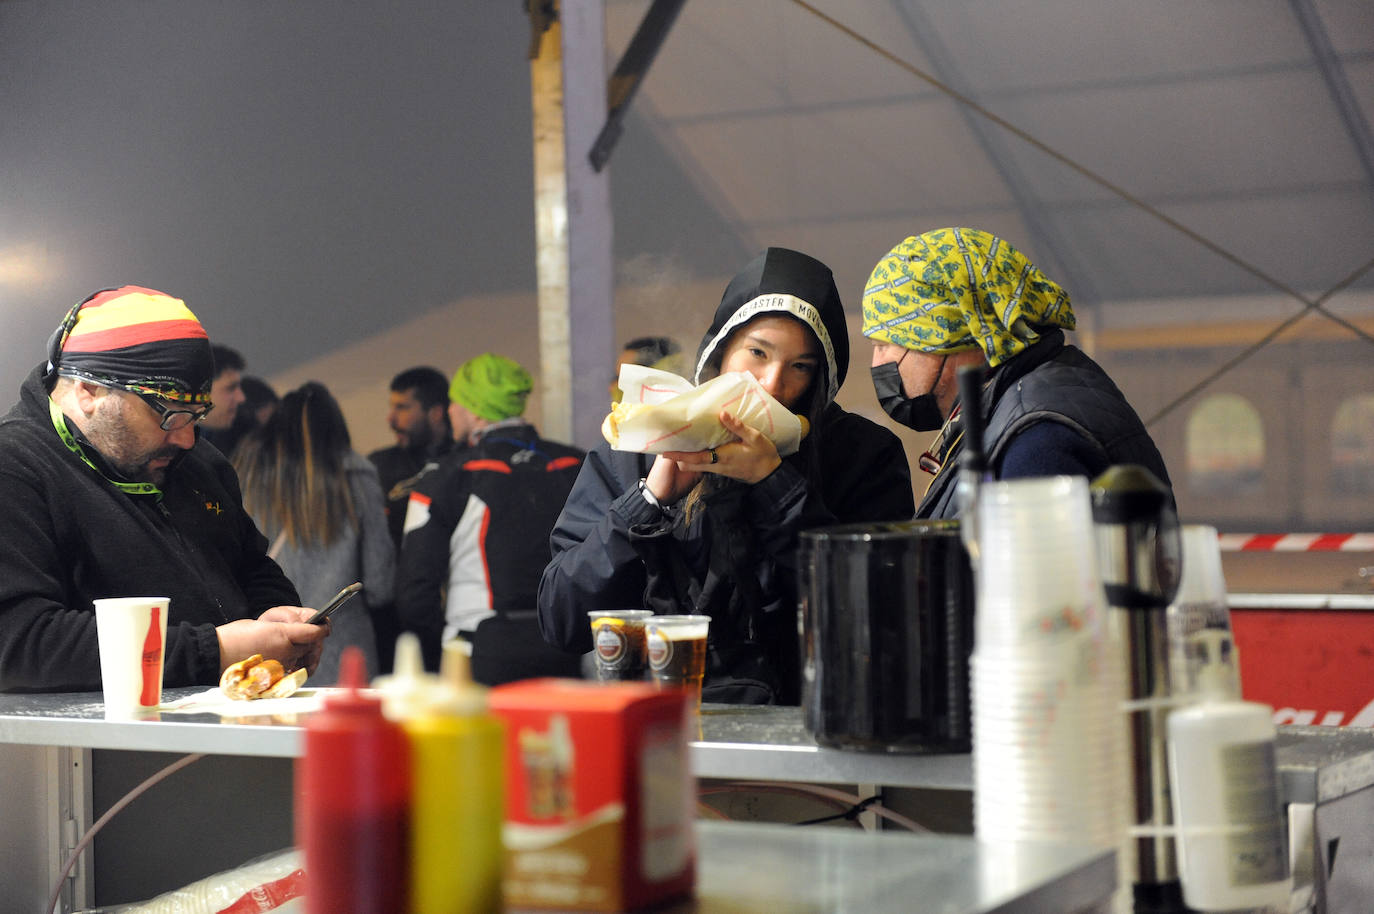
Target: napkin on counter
[(661, 411), (213, 701)]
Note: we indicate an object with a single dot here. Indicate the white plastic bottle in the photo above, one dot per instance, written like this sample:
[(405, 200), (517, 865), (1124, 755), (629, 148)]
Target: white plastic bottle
[(1232, 851)]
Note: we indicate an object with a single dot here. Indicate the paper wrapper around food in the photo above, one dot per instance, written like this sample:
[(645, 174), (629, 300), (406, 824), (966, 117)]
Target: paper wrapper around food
[(661, 411)]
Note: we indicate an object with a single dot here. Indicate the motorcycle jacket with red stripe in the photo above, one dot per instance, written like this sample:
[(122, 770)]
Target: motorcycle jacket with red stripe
[(477, 530)]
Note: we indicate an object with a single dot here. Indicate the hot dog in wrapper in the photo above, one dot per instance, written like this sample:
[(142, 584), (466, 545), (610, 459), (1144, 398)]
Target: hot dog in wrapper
[(255, 678), (661, 411)]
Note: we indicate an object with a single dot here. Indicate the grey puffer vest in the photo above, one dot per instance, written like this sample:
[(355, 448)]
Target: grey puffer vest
[(1065, 386)]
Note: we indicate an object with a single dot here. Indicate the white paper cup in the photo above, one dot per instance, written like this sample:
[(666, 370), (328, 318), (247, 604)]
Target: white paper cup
[(1038, 576), (133, 638)]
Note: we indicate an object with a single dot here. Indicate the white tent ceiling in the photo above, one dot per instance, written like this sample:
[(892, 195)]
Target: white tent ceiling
[(342, 190), (1198, 175), (835, 128)]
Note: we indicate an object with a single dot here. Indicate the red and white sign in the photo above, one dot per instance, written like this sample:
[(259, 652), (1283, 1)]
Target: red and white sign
[(1313, 666)]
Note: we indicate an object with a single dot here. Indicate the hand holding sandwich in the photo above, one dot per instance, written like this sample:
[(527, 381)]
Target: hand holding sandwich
[(748, 459)]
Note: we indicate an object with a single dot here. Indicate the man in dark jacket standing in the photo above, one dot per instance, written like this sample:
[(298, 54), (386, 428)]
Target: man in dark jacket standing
[(105, 491), (417, 413), (477, 529), (958, 296), (226, 392)]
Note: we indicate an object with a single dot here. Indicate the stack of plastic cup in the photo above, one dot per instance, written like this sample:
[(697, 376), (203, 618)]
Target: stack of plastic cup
[(1049, 751)]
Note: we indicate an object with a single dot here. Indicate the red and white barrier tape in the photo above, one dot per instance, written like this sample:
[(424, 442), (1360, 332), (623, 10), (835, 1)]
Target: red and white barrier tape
[(1296, 542)]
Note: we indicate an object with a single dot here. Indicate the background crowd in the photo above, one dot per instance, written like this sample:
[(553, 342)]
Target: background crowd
[(141, 458)]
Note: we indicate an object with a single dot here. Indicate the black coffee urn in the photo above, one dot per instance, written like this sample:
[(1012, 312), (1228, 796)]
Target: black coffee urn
[(887, 626), (1138, 546)]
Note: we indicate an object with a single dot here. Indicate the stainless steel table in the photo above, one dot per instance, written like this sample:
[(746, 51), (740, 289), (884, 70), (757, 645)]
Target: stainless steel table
[(780, 868), (78, 720), (770, 743), (59, 736), (736, 741), (1327, 776)]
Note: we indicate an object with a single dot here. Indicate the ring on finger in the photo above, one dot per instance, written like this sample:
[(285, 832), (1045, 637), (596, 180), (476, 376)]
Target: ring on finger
[(715, 458)]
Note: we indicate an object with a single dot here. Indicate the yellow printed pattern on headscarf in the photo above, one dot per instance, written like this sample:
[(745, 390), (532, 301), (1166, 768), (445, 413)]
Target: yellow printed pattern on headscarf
[(955, 289)]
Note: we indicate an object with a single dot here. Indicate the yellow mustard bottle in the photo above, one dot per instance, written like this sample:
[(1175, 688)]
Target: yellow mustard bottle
[(457, 750)]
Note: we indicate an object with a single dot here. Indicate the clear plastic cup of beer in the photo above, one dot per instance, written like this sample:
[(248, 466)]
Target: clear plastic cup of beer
[(618, 644), (677, 652)]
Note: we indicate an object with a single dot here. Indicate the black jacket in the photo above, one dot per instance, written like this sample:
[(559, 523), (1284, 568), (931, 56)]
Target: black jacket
[(736, 559), (71, 537), (1056, 383), (476, 541), (398, 469)]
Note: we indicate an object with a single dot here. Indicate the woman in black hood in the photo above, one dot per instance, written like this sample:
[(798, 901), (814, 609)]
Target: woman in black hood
[(715, 532)]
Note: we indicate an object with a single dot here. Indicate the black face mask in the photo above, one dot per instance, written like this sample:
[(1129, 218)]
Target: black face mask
[(920, 413)]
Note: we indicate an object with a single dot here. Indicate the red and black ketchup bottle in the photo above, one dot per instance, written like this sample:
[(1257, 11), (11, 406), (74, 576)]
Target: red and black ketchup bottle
[(352, 803)]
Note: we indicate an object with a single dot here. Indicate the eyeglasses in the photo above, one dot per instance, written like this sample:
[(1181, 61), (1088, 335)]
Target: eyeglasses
[(173, 419)]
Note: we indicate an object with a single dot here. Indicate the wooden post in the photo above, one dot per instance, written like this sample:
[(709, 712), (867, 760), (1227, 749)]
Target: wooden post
[(572, 225)]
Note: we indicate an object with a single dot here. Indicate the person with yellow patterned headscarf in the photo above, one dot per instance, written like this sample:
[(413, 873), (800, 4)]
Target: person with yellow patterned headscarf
[(958, 297)]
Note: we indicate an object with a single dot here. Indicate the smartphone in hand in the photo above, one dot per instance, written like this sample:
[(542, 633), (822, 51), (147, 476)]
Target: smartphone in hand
[(340, 599)]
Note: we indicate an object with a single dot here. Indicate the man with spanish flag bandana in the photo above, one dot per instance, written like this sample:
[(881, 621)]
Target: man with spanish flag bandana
[(106, 491), (954, 297)]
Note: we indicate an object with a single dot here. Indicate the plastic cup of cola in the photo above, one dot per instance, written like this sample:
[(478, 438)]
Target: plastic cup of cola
[(677, 652), (132, 632), (619, 644)]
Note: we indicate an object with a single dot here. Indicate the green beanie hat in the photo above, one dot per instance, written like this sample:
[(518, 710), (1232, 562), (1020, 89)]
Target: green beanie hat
[(491, 386)]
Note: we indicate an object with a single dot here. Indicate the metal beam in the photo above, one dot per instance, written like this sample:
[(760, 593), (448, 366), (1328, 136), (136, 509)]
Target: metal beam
[(630, 72), (572, 224), (1016, 93), (1333, 74)]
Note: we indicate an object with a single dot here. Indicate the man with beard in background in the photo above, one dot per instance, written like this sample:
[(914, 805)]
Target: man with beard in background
[(418, 414), (226, 392)]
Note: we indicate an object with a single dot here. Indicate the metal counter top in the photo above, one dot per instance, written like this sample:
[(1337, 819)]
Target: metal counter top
[(78, 719), (770, 742), (738, 742), (779, 868), (1322, 764)]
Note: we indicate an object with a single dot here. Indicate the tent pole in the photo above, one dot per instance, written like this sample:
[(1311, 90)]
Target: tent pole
[(572, 223)]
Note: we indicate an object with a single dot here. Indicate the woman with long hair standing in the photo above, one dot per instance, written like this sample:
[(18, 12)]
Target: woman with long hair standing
[(320, 504)]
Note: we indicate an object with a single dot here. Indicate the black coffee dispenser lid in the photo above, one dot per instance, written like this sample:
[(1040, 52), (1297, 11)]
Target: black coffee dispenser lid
[(1138, 541)]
